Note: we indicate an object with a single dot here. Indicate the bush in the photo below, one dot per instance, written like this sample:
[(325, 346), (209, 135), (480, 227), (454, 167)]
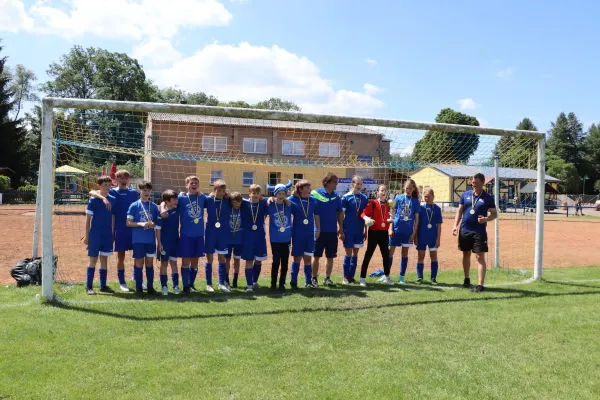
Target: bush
[(28, 188), (4, 183)]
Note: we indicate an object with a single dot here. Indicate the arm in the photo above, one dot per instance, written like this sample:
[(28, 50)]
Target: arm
[(457, 219), (439, 236), (157, 233), (367, 214), (96, 194), (340, 219), (415, 227), (493, 214), (164, 213), (318, 225), (88, 224)]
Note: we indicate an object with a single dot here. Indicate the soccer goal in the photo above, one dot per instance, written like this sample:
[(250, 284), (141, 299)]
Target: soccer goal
[(165, 143)]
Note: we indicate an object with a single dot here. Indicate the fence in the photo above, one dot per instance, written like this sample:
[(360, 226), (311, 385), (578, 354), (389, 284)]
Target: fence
[(14, 196)]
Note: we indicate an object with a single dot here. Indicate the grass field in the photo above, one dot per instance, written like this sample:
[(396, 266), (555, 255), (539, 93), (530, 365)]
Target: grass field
[(533, 341)]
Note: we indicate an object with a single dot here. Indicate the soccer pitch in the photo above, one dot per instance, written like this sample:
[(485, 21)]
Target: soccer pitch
[(516, 340)]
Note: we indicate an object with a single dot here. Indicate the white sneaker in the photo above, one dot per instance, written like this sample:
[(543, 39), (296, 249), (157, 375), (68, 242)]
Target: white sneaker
[(227, 286), (144, 287), (176, 290), (388, 281), (345, 282), (363, 282), (249, 289), (210, 289), (165, 291), (381, 278), (124, 288), (224, 288)]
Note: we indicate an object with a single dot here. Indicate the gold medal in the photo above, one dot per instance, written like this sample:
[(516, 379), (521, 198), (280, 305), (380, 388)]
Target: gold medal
[(254, 217), (254, 227), (472, 212), (406, 218), (383, 224), (282, 229), (305, 211), (196, 220), (305, 222), (218, 225), (429, 226)]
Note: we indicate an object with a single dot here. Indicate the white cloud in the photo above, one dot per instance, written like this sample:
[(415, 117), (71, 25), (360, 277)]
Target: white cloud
[(121, 19), (255, 73), (407, 151), (482, 122), (467, 104), (13, 17), (371, 62), (505, 73), (371, 89), (159, 52)]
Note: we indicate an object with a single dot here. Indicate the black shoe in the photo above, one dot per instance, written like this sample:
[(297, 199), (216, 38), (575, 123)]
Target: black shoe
[(273, 288), (329, 283), (106, 289), (434, 281), (310, 286), (352, 281), (314, 282), (193, 289), (478, 288), (186, 291), (90, 291), (294, 286), (467, 283), (139, 292), (282, 287), (419, 281), (152, 292)]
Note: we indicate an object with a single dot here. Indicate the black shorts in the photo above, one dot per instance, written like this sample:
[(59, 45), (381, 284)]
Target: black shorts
[(328, 242), (468, 241)]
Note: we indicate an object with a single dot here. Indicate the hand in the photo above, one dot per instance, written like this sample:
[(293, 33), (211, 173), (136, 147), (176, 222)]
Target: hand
[(317, 234), (86, 240), (437, 244), (211, 194), (481, 219), (160, 248), (455, 230), (369, 222), (107, 204), (365, 236), (164, 214), (411, 238), (226, 195), (391, 234), (341, 234), (269, 201), (287, 203)]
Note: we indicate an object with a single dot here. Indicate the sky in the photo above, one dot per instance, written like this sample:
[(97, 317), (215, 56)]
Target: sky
[(499, 61)]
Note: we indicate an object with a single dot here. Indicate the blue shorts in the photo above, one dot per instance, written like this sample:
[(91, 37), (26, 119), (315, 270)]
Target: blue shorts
[(328, 242), (170, 250), (141, 250), (236, 249), (303, 246), (401, 239), (424, 243), (254, 247), (123, 240), (100, 245), (354, 240), (191, 247), (216, 242)]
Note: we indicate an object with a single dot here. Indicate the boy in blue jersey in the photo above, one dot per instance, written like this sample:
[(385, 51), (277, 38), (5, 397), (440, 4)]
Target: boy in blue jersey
[(254, 245), (122, 238), (99, 227), (280, 233), (406, 222), (428, 235), (217, 234), (234, 247), (353, 204), (144, 218), (169, 239), (476, 208), (305, 219), (329, 208)]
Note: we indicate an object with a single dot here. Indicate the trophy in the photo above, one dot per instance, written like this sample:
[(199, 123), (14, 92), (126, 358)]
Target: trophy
[(392, 205)]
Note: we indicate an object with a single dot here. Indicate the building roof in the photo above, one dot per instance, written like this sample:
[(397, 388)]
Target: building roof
[(466, 171), (531, 187), (260, 123)]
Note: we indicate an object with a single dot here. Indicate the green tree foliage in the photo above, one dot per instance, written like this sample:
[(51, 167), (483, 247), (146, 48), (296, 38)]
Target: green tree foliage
[(445, 147), (22, 85), (275, 103), (565, 171), (518, 151), (235, 104), (591, 149), (4, 183), (566, 138), (177, 95)]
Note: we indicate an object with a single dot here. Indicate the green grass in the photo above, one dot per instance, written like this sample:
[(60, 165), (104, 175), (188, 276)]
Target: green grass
[(526, 341)]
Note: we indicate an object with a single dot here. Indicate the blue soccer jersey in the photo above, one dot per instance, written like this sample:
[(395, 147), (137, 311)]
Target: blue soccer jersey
[(254, 245), (169, 233), (280, 223), (217, 232), (353, 205), (480, 205), (144, 212), (102, 218), (430, 217), (191, 214), (124, 198), (328, 205), (303, 235), (235, 226), (406, 209)]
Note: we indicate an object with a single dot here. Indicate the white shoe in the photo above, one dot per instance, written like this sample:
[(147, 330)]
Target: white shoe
[(165, 291), (124, 288), (210, 289), (176, 290), (144, 287), (224, 288), (381, 278), (249, 289), (345, 282), (363, 282), (227, 286), (388, 281)]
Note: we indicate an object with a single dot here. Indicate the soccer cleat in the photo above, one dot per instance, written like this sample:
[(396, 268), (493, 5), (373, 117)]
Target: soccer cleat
[(165, 291), (90, 291), (388, 281), (152, 292), (139, 292), (309, 286), (363, 282), (401, 280), (467, 283), (186, 291), (381, 278), (282, 288), (249, 289), (227, 286), (328, 282), (345, 281), (434, 281), (419, 280), (124, 288), (273, 288), (224, 288), (176, 289), (193, 289), (210, 289), (256, 286), (352, 281), (314, 282), (144, 287), (478, 288), (106, 289)]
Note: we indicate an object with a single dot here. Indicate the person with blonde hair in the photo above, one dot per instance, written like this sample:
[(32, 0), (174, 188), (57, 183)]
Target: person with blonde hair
[(353, 204), (406, 221)]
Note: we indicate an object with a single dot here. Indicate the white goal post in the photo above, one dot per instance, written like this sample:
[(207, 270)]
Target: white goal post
[(45, 198)]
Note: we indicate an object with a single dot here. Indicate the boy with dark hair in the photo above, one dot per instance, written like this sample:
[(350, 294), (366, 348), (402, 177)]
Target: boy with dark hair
[(217, 234), (234, 247), (254, 246), (169, 238)]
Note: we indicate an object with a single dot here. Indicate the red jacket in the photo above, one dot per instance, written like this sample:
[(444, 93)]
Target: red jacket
[(380, 213)]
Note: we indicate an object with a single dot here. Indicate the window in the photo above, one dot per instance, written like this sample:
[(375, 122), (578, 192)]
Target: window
[(329, 149), (215, 174), (298, 177), (214, 143), (256, 146), (274, 178), (247, 178), (292, 148)]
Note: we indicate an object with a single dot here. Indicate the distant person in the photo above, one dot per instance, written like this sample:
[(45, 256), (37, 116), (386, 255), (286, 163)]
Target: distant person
[(579, 206)]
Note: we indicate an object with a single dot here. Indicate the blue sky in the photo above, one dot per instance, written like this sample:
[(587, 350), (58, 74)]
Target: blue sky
[(499, 61)]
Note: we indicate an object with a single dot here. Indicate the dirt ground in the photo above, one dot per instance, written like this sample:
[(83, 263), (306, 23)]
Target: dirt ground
[(568, 242)]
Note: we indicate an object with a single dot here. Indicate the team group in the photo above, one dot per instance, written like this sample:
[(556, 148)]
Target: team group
[(305, 225)]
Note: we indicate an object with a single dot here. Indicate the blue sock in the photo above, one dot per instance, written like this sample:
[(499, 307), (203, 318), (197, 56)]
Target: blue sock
[(138, 277), (222, 273), (353, 264), (103, 273), (149, 276), (307, 273), (257, 269), (403, 265), (121, 276), (347, 268), (434, 269), (193, 274), (208, 273), (175, 278), (420, 268), (185, 276), (294, 274), (163, 280), (249, 276), (90, 277)]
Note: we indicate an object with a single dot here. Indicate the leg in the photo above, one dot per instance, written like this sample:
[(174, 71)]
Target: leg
[(138, 275), (236, 271), (249, 272), (385, 255), (276, 253), (403, 263), (434, 265), (193, 271), (466, 262), (392, 250), (347, 267), (103, 272), (174, 275), (208, 270), (185, 272), (90, 272), (481, 267), (353, 264), (295, 271), (371, 245), (121, 267), (315, 267), (285, 259), (164, 278), (222, 272), (420, 264), (308, 271), (150, 274), (329, 267)]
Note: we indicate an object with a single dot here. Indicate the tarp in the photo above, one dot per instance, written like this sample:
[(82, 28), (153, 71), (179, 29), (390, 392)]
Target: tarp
[(67, 170), (531, 187)]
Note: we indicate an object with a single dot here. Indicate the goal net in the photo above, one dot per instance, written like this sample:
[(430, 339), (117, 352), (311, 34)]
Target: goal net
[(166, 143)]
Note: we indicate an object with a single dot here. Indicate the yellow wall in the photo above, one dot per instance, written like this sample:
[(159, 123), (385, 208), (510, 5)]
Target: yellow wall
[(440, 183)]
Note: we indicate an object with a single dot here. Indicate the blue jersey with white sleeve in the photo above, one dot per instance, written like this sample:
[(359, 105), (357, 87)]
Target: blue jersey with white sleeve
[(235, 226), (353, 205), (102, 218), (218, 211), (406, 209), (144, 212), (280, 217), (191, 214)]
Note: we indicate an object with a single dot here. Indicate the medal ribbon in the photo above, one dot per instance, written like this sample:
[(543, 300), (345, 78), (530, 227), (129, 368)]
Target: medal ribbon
[(279, 217), (194, 208), (254, 217), (307, 206), (147, 214)]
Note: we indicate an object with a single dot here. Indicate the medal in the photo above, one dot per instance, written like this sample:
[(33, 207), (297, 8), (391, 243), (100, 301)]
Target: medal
[(474, 201), (196, 220), (383, 224), (218, 225), (472, 212), (407, 209), (147, 214), (218, 214), (282, 229), (429, 216), (254, 227), (381, 212), (429, 226), (305, 222), (164, 253), (254, 217), (406, 218), (235, 220)]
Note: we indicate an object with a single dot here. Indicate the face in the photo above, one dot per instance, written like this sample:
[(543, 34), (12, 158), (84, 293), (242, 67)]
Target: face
[(305, 191), (220, 192), (145, 194), (105, 187), (476, 184), (332, 185), (171, 204), (192, 186), (357, 186), (281, 196), (428, 197), (236, 204), (382, 193), (254, 196), (409, 189), (123, 181)]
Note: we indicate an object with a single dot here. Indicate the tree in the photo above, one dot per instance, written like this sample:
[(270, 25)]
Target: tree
[(235, 104), (275, 103), (518, 151), (565, 171), (22, 85), (177, 95), (444, 147), (591, 149), (566, 138)]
